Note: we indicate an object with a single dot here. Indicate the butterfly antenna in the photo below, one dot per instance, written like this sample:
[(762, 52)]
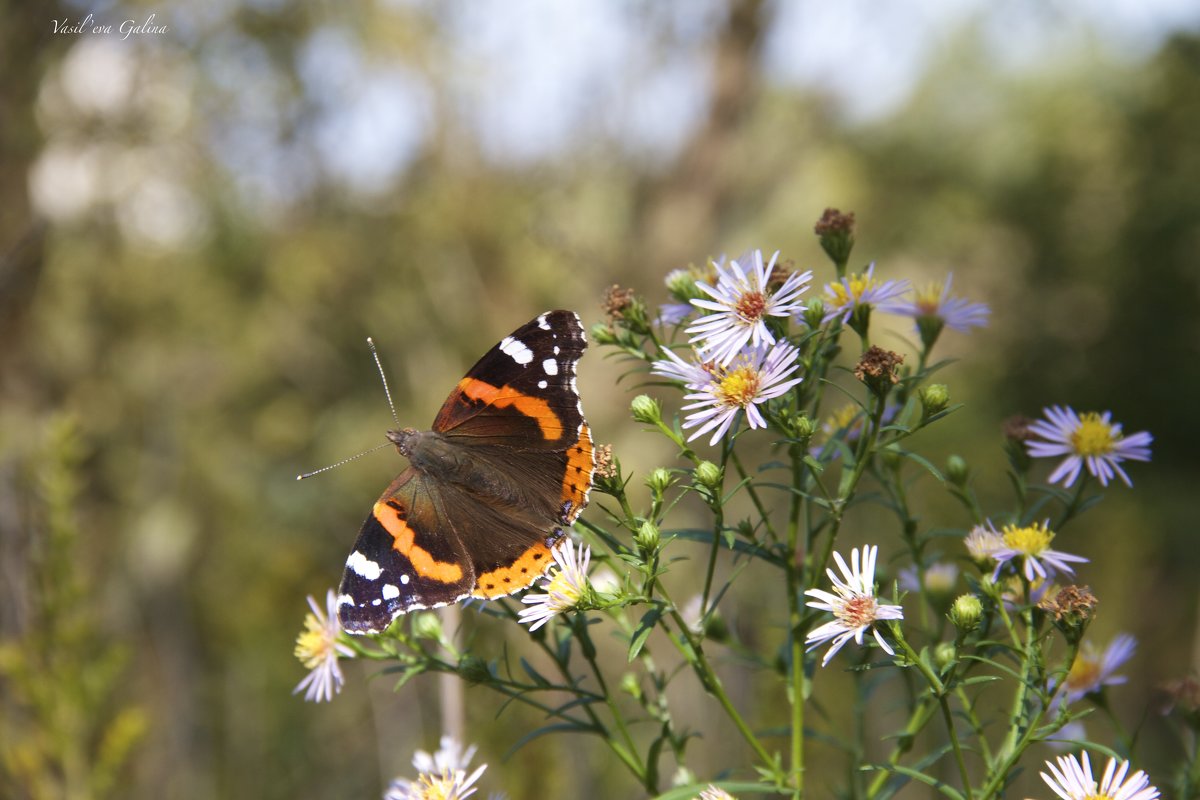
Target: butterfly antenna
[(383, 377), (343, 461)]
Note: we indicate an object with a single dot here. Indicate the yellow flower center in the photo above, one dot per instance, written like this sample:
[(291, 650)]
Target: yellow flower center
[(750, 306), (564, 587), (313, 644), (1030, 540), (1093, 437), (740, 386), (1085, 671), (857, 611), (851, 291), (929, 300)]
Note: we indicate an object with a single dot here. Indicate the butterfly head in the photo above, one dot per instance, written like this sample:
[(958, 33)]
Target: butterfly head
[(404, 439)]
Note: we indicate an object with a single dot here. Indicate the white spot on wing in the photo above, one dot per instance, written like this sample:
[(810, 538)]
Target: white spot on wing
[(516, 349), (542, 384), (555, 349), (345, 600), (550, 366), (376, 601), (404, 579), (391, 591), (363, 566), (542, 323)]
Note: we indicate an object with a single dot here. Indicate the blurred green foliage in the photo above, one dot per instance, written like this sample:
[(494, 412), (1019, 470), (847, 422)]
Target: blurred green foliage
[(206, 372)]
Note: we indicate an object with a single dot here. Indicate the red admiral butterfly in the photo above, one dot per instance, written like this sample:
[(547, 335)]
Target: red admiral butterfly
[(489, 489)]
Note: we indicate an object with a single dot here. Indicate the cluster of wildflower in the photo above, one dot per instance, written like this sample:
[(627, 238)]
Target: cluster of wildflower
[(758, 354)]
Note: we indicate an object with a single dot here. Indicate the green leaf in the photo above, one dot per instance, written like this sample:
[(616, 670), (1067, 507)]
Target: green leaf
[(645, 626)]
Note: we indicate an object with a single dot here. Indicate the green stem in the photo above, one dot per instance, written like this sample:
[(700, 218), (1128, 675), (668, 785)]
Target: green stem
[(939, 691)]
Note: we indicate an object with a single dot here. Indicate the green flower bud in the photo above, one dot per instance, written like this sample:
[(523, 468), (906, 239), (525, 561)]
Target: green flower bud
[(945, 654), (966, 612), (646, 409), (474, 670), (647, 537), (659, 480), (681, 283), (426, 625), (814, 312), (602, 333), (708, 475), (934, 398), (957, 471), (630, 685)]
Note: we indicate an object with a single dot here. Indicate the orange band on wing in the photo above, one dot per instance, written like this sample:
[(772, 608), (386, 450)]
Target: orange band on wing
[(522, 572), (402, 542), (504, 397), (578, 479)]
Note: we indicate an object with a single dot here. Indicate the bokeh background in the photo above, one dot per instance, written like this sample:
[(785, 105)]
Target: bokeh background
[(199, 227)]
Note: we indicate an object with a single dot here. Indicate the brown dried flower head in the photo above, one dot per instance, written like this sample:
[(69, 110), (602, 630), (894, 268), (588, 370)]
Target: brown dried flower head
[(1016, 428), (1074, 604), (878, 366), (834, 222), (616, 301), (606, 468)]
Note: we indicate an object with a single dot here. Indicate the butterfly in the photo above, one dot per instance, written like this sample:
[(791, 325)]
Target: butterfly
[(489, 489)]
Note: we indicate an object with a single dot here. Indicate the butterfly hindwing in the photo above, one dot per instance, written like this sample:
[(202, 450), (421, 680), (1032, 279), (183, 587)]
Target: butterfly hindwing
[(403, 559)]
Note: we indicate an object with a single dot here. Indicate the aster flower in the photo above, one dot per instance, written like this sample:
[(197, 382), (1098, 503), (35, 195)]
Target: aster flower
[(940, 578), (694, 374), (442, 775), (1032, 544), (1072, 780), (852, 604), (565, 588), (857, 291), (741, 301), (982, 542), (713, 792), (755, 377), (318, 649), (934, 308), (1090, 440), (1093, 669)]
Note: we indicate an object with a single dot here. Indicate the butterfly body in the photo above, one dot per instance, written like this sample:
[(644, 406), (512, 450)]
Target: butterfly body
[(507, 464)]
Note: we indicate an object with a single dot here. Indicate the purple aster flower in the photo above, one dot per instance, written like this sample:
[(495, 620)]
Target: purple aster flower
[(1092, 440), (858, 290), (1032, 544), (1072, 780), (694, 374), (933, 308), (1093, 669), (755, 376), (742, 300)]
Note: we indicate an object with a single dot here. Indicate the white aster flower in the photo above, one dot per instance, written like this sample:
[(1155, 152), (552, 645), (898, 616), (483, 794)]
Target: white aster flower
[(318, 649), (755, 377), (982, 542), (1093, 669), (713, 792), (442, 775), (1032, 544), (564, 588), (854, 606), (1072, 780), (742, 300), (1092, 440), (694, 374)]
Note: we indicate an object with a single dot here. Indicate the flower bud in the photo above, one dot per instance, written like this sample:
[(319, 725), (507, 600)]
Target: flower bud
[(647, 537), (659, 480), (601, 333), (474, 670), (630, 685), (934, 399), (426, 625), (708, 475), (944, 655), (966, 612), (681, 283), (646, 409), (957, 471), (814, 312)]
